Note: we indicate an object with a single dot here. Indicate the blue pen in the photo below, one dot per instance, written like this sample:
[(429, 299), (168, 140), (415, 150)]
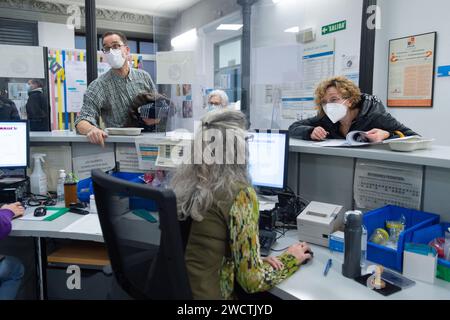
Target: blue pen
[(327, 267)]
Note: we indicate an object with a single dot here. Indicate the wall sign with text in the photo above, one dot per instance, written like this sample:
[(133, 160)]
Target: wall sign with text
[(411, 71)]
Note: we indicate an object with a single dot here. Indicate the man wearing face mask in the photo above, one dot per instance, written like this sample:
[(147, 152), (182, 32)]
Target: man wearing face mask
[(111, 94), (342, 109)]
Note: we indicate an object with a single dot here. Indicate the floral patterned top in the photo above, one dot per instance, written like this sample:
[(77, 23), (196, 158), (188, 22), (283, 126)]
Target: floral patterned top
[(245, 264)]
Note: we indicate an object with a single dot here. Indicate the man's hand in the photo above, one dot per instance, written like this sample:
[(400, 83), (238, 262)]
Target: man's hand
[(16, 208), (97, 136)]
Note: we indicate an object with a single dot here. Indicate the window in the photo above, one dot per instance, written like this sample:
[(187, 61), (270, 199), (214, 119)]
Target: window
[(20, 33), (133, 45), (80, 42), (227, 67), (148, 47)]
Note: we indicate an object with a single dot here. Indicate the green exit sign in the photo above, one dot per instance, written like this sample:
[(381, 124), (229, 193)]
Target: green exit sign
[(335, 27)]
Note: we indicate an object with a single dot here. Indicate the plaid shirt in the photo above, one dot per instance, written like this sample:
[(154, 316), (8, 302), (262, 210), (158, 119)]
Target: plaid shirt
[(110, 95)]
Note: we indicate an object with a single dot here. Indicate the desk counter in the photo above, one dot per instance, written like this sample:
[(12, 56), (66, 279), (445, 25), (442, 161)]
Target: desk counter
[(437, 156), (309, 283)]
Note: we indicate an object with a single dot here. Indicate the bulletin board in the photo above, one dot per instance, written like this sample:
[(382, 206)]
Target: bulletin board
[(67, 83)]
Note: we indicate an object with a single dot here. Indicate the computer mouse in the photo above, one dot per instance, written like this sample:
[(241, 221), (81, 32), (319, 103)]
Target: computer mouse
[(40, 212), (307, 260)]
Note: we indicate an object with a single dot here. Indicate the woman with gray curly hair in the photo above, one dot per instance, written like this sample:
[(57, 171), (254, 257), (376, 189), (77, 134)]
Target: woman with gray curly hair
[(223, 245), (217, 99)]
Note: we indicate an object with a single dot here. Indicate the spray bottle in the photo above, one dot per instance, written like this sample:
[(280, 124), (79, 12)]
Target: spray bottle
[(38, 179)]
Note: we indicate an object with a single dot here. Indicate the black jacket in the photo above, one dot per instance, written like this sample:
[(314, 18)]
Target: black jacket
[(8, 110), (38, 111), (372, 115)]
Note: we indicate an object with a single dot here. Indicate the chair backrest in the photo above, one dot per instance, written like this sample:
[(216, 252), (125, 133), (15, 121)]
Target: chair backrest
[(143, 238)]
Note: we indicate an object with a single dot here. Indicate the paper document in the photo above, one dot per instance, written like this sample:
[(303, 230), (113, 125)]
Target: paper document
[(89, 224), (356, 139)]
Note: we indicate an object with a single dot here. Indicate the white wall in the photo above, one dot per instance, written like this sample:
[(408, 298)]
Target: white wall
[(55, 35), (202, 14), (402, 18), (269, 21)]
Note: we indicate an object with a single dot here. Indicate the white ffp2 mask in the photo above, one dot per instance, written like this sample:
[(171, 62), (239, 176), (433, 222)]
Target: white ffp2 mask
[(115, 59), (335, 111)]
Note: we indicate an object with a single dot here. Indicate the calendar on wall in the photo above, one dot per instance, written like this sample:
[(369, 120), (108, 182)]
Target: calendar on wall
[(377, 184)]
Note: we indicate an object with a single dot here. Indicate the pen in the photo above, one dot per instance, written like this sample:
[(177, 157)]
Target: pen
[(327, 267)]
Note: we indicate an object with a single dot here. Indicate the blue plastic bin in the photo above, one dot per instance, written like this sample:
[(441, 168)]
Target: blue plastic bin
[(428, 234), (415, 220), (85, 189)]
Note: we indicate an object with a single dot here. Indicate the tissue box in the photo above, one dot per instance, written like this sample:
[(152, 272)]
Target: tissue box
[(336, 242)]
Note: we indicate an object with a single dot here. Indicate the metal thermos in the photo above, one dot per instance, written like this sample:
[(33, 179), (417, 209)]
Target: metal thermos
[(352, 252)]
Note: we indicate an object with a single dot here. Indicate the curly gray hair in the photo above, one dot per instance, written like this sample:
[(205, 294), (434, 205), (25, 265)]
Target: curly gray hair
[(198, 186), (223, 97)]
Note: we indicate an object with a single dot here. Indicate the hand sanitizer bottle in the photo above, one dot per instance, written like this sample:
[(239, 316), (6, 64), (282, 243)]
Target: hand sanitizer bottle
[(38, 179), (60, 186)]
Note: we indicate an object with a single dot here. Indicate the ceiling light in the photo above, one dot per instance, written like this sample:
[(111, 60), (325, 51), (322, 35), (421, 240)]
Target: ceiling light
[(293, 30), (228, 26), (184, 38)]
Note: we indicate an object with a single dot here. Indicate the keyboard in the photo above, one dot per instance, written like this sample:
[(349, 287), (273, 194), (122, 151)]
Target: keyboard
[(266, 241)]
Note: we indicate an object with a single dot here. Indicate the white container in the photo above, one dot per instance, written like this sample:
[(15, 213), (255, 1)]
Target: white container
[(38, 179), (415, 143), (419, 267), (124, 131)]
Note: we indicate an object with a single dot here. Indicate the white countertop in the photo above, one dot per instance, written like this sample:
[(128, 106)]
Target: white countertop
[(71, 136), (437, 156), (309, 283)]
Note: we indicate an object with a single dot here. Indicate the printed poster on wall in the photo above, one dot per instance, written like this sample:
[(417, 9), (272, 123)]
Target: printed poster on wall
[(411, 71), (318, 64), (76, 84), (377, 184), (175, 67)]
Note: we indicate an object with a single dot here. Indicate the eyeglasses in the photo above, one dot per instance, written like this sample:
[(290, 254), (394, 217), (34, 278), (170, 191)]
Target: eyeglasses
[(115, 46)]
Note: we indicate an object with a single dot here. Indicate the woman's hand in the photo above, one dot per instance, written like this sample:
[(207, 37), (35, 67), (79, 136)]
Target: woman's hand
[(319, 134), (274, 262), (299, 251), (377, 135), (16, 208)]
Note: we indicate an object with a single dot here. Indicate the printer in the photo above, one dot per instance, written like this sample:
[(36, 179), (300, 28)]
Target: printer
[(318, 221)]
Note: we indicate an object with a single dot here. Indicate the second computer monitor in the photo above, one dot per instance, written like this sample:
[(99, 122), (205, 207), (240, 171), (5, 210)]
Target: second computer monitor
[(14, 144), (268, 158)]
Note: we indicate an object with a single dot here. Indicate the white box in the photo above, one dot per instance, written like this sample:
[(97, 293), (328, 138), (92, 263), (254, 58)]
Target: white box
[(419, 267)]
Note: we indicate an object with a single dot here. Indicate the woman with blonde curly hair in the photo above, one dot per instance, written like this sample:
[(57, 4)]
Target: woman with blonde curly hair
[(342, 109)]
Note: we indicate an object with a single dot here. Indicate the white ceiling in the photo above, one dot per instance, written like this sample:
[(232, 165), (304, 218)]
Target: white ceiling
[(165, 8)]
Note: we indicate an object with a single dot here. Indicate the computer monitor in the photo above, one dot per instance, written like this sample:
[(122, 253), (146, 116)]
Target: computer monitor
[(14, 148), (268, 158)]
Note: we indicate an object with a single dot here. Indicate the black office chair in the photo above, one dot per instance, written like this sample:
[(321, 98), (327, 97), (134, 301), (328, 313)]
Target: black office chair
[(147, 255)]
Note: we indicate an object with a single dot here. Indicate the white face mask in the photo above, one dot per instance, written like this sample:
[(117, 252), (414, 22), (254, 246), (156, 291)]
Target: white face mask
[(335, 111), (115, 59)]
